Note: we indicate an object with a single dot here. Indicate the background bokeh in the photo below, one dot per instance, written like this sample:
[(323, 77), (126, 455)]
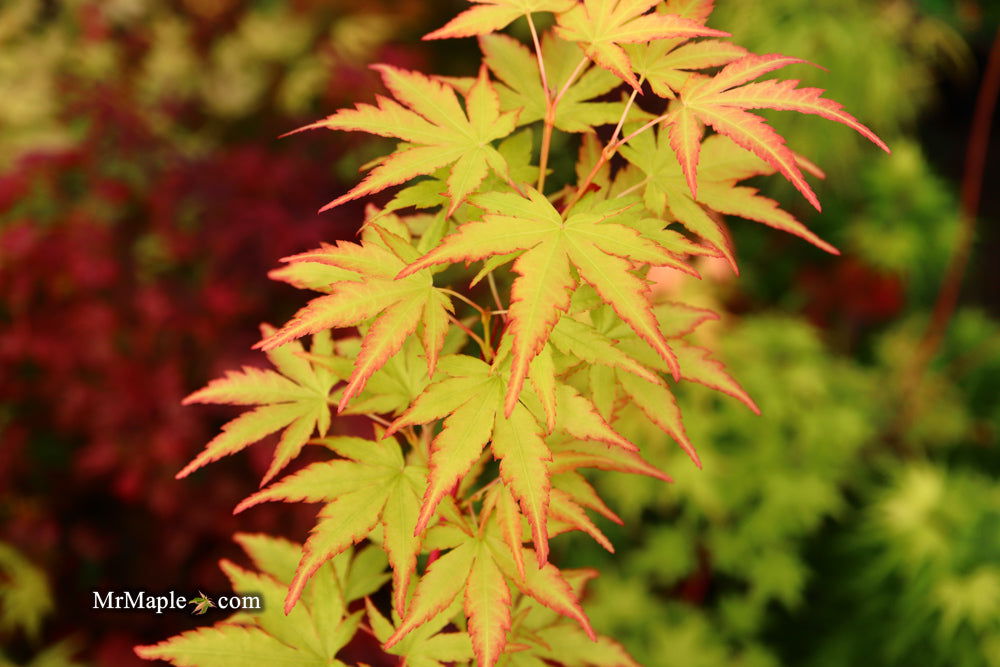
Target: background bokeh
[(144, 195)]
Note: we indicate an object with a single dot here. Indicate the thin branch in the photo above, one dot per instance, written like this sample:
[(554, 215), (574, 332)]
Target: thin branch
[(606, 154), (627, 191), (464, 298), (628, 107), (543, 157), (609, 152), (538, 55), (379, 420), (487, 353), (496, 293), (971, 191), (570, 81), (550, 123), (652, 123)]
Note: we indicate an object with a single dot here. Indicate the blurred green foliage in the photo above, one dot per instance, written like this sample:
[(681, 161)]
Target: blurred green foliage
[(188, 73), (879, 59), (25, 600), (857, 521)]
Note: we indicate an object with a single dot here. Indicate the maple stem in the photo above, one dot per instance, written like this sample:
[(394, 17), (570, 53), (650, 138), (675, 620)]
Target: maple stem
[(580, 191), (514, 186), (493, 289), (570, 81), (538, 55), (972, 187), (379, 420), (550, 121), (652, 123), (487, 352), (628, 107), (543, 159), (609, 151), (627, 191), (464, 298)]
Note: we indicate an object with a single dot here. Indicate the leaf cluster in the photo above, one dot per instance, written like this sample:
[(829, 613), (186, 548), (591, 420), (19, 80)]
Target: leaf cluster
[(487, 405)]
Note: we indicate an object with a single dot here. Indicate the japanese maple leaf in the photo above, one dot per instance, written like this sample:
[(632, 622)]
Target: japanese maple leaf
[(370, 486), (601, 250), (437, 132), (552, 637), (721, 166), (698, 10), (494, 15), (667, 64), (427, 645), (471, 401), (602, 26), (311, 634), (294, 399), (201, 604), (654, 397), (480, 568), (364, 289), (721, 102), (521, 87)]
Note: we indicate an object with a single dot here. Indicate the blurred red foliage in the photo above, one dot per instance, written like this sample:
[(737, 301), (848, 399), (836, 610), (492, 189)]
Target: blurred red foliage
[(131, 272)]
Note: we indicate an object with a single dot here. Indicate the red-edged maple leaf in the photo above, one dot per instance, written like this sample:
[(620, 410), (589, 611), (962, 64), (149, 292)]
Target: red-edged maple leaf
[(471, 402), (653, 396), (541, 633), (602, 251), (521, 85), (296, 400), (370, 486), (494, 15), (364, 289), (437, 130), (667, 64), (427, 645), (721, 102), (480, 568), (721, 166), (602, 26)]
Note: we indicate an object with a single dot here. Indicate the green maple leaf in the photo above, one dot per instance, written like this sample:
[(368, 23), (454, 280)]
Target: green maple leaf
[(310, 635), (295, 400), (653, 395), (603, 26), (722, 165), (493, 15), (480, 568), (542, 634), (363, 288), (25, 593), (427, 645), (601, 250), (667, 64), (722, 102), (521, 88), (471, 401), (371, 486), (438, 132)]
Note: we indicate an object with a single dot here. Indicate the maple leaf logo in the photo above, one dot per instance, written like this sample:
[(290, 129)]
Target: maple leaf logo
[(202, 603)]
